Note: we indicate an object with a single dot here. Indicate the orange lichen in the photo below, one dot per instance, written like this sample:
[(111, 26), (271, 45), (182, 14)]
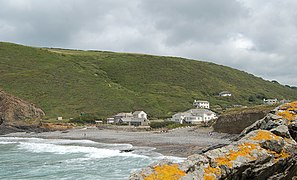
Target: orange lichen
[(244, 150), (287, 114), (278, 156), (265, 135), (288, 111), (210, 173), (166, 172)]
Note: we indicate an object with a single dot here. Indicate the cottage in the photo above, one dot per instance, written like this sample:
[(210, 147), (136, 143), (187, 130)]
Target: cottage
[(122, 115), (140, 114), (138, 118), (194, 116), (133, 121), (225, 94), (201, 104), (270, 101)]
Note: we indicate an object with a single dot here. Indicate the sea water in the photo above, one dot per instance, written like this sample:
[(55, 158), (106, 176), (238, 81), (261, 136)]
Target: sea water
[(36, 158)]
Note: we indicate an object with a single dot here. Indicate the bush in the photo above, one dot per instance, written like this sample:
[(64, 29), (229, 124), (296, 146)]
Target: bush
[(84, 119)]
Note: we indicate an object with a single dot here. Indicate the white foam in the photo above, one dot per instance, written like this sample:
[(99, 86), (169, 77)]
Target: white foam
[(90, 152), (7, 142)]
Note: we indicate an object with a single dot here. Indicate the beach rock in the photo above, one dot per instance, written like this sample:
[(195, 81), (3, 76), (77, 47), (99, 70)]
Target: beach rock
[(17, 114), (264, 150)]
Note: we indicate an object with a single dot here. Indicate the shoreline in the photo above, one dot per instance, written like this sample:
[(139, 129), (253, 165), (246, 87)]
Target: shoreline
[(180, 142)]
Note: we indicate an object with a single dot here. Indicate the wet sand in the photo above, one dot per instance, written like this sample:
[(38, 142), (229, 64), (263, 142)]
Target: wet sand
[(180, 142)]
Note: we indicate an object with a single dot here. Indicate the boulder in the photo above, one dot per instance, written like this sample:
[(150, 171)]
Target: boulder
[(265, 150), (16, 113)]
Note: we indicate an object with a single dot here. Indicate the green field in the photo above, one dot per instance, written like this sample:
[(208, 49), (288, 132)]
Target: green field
[(68, 82)]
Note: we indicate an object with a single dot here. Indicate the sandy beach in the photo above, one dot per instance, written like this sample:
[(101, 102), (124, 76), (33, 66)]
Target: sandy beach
[(180, 142)]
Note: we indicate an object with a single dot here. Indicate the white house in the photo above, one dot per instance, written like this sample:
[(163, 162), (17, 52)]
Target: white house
[(270, 101), (138, 118), (225, 94), (201, 104), (122, 115), (133, 121), (194, 116), (140, 114)]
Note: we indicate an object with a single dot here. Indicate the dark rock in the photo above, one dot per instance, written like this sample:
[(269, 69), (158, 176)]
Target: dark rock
[(282, 131), (293, 131), (273, 145), (234, 123), (18, 115)]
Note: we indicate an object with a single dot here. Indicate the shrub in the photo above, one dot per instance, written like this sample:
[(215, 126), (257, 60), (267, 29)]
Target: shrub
[(84, 119)]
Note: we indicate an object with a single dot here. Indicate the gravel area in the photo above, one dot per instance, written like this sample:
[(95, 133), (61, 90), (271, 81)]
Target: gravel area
[(180, 142)]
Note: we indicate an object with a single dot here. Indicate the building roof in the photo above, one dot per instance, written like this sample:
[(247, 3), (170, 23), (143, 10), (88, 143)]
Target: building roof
[(124, 114), (200, 101), (225, 92), (200, 112), (138, 112), (132, 119)]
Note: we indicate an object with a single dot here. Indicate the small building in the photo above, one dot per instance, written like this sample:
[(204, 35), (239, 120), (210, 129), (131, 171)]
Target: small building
[(140, 114), (60, 118), (138, 118), (110, 121), (194, 116), (201, 104), (225, 94), (133, 121), (206, 114), (122, 115), (270, 101)]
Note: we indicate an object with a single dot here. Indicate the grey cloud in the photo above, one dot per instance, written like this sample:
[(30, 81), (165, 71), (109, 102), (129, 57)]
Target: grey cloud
[(259, 37)]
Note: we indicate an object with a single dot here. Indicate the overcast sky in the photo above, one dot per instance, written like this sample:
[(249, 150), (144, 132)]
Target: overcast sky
[(257, 36)]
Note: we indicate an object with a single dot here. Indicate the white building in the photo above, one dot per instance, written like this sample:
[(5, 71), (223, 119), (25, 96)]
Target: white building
[(138, 118), (194, 116), (225, 94), (140, 114), (201, 104), (133, 121), (270, 101), (122, 115)]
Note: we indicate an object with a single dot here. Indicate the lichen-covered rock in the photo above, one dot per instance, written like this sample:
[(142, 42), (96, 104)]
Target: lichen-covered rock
[(265, 150)]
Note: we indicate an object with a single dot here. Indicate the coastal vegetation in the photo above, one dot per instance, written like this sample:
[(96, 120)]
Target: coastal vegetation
[(68, 83)]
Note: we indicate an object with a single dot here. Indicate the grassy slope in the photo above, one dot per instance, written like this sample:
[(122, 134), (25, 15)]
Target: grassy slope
[(66, 82)]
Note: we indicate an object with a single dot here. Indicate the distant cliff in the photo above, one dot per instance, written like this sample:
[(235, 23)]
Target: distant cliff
[(235, 121), (265, 150), (17, 114)]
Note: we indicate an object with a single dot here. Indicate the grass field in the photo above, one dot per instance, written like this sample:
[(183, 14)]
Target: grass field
[(69, 82)]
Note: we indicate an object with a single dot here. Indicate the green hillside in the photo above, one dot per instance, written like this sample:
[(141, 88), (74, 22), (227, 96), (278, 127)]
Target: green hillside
[(68, 82)]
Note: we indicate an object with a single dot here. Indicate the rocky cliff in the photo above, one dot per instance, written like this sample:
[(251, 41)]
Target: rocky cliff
[(17, 114), (235, 121), (265, 150)]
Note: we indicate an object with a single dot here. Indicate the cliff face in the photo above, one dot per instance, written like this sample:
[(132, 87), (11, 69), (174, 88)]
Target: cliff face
[(235, 122), (265, 150), (17, 113)]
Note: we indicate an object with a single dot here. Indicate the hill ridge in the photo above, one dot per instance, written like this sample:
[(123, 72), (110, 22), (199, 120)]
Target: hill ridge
[(68, 82)]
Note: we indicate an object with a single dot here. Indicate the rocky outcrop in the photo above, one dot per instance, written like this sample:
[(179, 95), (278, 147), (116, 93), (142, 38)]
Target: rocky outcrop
[(17, 114), (236, 121), (265, 150)]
